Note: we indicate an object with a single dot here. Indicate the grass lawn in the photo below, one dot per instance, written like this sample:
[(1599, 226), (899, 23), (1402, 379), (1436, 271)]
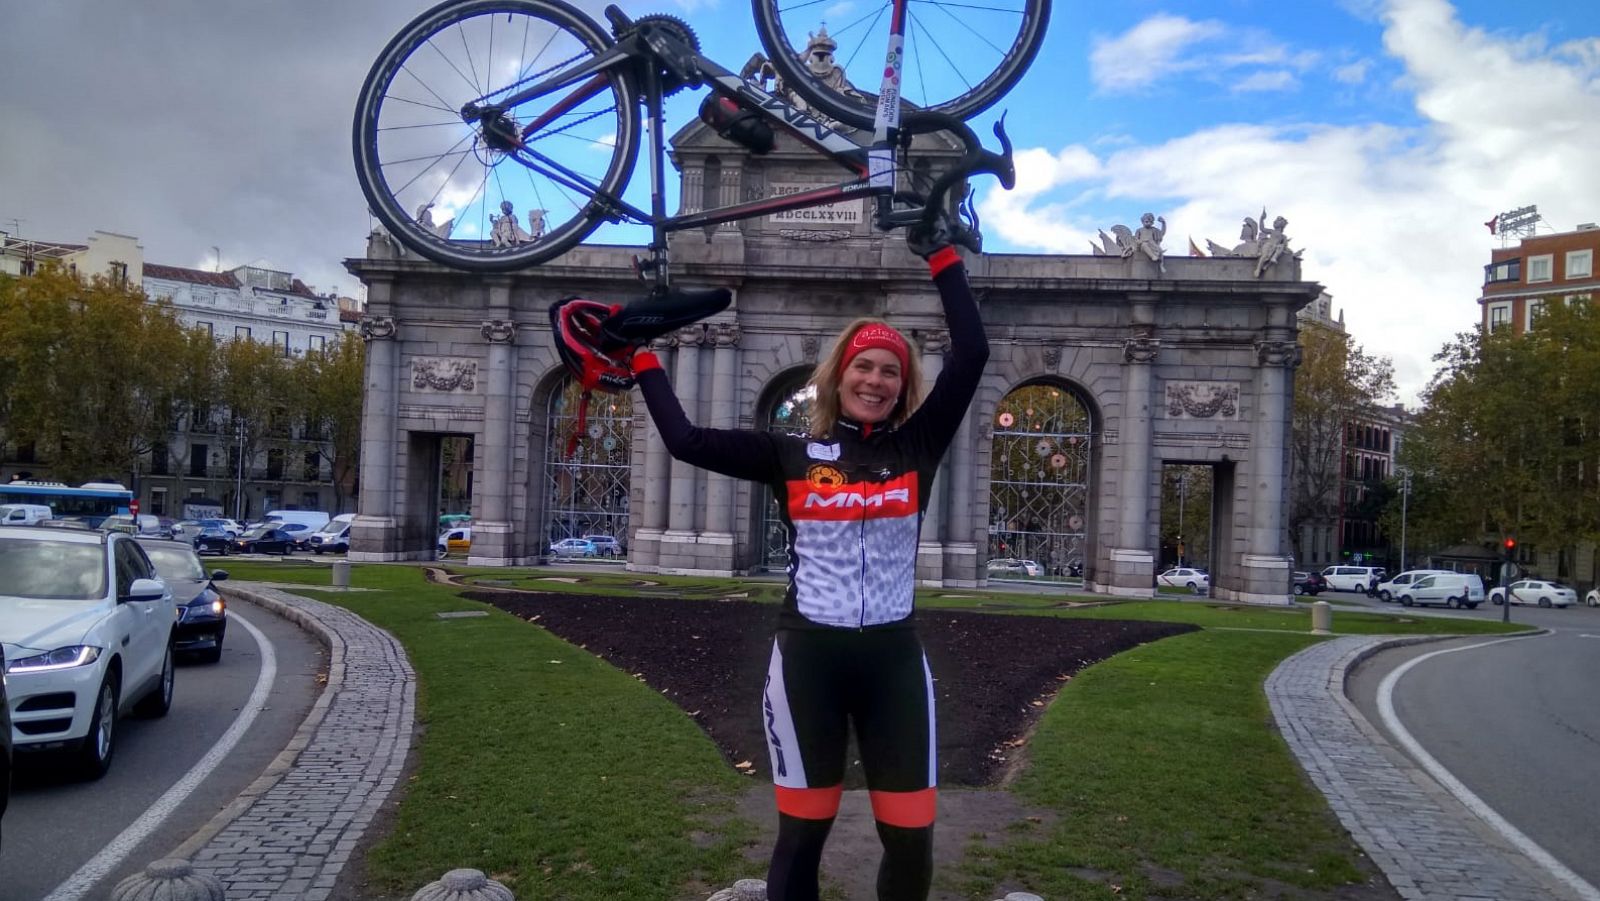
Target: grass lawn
[(565, 778)]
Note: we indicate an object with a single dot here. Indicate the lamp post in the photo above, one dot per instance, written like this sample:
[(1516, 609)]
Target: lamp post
[(238, 478), (1183, 486), (1405, 498)]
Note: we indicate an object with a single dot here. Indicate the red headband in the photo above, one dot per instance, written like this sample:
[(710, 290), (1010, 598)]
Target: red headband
[(878, 335)]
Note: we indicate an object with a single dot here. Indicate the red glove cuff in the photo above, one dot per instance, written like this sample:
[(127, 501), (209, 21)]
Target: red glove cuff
[(644, 361), (942, 259)]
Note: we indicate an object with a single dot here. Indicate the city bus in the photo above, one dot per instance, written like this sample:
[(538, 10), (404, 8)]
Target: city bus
[(91, 501)]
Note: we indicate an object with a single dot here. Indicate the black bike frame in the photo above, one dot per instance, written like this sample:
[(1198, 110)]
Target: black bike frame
[(872, 161)]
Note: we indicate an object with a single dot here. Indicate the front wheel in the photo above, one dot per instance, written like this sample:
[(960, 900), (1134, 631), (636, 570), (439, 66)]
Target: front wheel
[(1385, 596), (464, 179), (100, 745), (957, 58), (1405, 600), (1544, 602)]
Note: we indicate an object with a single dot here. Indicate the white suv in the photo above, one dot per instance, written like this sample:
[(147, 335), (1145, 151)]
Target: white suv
[(87, 630)]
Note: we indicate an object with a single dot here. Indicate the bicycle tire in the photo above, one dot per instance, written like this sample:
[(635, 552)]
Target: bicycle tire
[(392, 134), (997, 69)]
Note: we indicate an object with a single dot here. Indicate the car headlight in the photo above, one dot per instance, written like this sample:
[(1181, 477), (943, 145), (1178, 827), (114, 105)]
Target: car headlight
[(58, 659), (216, 607)]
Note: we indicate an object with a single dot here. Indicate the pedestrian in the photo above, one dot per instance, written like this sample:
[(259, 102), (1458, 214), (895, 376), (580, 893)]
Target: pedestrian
[(846, 654)]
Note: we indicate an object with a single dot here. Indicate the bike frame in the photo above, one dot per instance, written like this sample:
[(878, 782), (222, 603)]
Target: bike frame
[(871, 161)]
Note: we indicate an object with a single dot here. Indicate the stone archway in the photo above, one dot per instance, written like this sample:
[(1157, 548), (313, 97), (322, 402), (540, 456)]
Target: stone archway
[(1040, 485)]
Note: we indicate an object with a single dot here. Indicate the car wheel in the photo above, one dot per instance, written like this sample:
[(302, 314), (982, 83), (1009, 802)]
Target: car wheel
[(159, 700), (1496, 600), (1405, 600), (94, 755), (1456, 603), (317, 551), (1385, 596), (1299, 590), (1544, 602)]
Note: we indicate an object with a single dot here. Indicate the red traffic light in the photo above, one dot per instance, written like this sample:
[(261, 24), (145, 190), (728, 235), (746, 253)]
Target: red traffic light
[(1511, 543)]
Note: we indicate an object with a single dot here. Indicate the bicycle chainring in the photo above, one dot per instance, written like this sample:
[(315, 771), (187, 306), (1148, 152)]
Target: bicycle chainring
[(677, 28)]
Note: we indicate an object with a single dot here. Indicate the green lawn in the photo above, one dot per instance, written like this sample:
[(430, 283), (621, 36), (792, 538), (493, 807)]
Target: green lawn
[(565, 778)]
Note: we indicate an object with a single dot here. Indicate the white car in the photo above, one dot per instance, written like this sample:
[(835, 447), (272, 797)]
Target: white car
[(1592, 599), (1536, 591), (1011, 566), (1389, 589), (1352, 578), (88, 631), (1185, 577)]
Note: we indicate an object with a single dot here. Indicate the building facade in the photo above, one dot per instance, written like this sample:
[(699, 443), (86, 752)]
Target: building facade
[(1540, 269)]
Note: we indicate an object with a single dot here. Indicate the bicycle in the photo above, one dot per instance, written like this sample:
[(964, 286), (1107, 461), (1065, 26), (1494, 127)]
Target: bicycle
[(561, 98)]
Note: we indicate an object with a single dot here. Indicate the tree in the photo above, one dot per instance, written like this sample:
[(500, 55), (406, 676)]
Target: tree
[(332, 382), (1335, 384)]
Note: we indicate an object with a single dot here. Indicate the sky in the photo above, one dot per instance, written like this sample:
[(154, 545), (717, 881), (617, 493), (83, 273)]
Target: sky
[(1385, 131)]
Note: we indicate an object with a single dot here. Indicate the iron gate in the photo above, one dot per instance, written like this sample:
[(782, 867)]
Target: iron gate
[(1039, 485)]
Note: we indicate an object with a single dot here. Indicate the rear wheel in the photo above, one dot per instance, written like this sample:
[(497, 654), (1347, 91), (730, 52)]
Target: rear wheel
[(1544, 602), (958, 57), (1385, 596), (510, 187)]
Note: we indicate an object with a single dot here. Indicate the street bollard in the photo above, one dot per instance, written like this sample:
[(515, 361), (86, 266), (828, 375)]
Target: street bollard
[(341, 574), (464, 885), (169, 879), (1321, 618)]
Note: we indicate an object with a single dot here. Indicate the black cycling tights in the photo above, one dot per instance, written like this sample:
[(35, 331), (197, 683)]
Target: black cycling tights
[(906, 873)]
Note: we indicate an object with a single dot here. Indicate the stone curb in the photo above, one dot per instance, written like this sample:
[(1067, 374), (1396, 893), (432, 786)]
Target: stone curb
[(290, 833), (1425, 842)]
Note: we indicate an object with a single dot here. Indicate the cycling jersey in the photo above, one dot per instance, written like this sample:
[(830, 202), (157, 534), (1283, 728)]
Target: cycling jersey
[(852, 502)]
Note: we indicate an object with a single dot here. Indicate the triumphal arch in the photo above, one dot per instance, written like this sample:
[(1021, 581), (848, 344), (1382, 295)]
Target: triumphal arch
[(1104, 368)]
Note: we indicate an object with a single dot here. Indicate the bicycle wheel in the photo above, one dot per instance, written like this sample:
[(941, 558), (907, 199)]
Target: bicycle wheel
[(469, 193), (959, 57)]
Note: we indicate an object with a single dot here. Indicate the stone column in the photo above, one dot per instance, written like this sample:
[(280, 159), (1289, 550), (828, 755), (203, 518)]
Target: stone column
[(375, 534), (492, 531), (718, 533), (1133, 558), (644, 552), (678, 542), (930, 546), (961, 562), (1265, 569)]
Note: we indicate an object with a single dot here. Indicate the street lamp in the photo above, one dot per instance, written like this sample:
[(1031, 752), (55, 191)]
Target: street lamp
[(238, 478), (1183, 486), (1405, 497)]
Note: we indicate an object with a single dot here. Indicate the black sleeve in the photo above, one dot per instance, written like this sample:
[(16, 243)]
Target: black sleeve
[(934, 423), (731, 452)]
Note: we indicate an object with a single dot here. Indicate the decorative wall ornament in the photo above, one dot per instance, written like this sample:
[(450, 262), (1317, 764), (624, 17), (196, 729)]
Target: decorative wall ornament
[(690, 335), (811, 345), (725, 334), (1052, 358), (815, 235), (1142, 349), (1144, 241), (1203, 400), (377, 328), (1278, 353), (935, 341), (499, 331), (1256, 241), (446, 374)]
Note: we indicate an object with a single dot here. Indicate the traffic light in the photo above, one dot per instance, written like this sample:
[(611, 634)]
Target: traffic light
[(1510, 545)]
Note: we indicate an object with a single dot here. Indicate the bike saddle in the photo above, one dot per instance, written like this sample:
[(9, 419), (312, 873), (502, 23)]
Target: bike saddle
[(596, 340)]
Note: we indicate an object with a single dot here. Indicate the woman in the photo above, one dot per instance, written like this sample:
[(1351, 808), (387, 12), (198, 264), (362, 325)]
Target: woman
[(852, 496)]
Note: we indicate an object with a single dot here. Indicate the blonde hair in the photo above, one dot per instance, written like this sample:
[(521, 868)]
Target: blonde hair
[(826, 378)]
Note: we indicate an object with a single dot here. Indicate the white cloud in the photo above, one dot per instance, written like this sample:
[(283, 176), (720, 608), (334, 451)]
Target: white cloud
[(1270, 80), (1149, 50), (1354, 73), (1390, 219)]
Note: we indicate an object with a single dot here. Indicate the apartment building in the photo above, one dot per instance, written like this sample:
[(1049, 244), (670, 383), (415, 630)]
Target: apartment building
[(1555, 268)]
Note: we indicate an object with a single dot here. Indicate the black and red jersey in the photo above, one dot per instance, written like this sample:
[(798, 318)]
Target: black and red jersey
[(853, 502)]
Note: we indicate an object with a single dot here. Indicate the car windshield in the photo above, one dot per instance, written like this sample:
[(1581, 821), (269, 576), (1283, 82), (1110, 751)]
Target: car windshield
[(176, 563), (257, 531), (52, 570)]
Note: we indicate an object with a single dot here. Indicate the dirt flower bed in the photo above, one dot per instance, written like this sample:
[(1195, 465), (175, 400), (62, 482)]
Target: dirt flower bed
[(994, 674)]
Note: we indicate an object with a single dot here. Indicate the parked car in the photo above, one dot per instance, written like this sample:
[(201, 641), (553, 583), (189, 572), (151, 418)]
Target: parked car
[(605, 545), (1391, 588), (1592, 599), (23, 514), (213, 540), (1308, 583), (202, 615), (1013, 567), (1185, 577), (335, 536), (300, 532), (5, 747), (311, 520), (1447, 588), (455, 540), (1536, 591), (573, 547), (264, 539), (1353, 578), (88, 634)]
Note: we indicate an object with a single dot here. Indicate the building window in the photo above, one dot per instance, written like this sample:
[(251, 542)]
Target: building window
[(275, 463), (310, 500), (1499, 315), (198, 455), (1540, 268), (280, 343), (208, 328), (316, 343), (1580, 263), (158, 459), (158, 501), (313, 466), (196, 492), (119, 273), (242, 331), (1535, 309), (1577, 299), (1503, 271)]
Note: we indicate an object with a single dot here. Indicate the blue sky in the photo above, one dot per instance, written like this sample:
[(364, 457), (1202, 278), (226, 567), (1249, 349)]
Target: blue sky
[(1386, 131)]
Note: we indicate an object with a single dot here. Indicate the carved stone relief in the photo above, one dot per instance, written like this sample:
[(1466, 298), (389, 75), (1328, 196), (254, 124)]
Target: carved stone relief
[(1140, 350), (377, 328), (935, 341), (1203, 400), (1052, 358), (725, 334), (811, 345), (443, 375), (499, 331), (1278, 353)]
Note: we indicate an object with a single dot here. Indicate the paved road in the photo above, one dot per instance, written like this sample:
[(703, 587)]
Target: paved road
[(55, 824), (1516, 722)]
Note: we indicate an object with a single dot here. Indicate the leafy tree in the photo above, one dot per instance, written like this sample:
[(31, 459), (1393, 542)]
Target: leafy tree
[(332, 383), (1336, 382)]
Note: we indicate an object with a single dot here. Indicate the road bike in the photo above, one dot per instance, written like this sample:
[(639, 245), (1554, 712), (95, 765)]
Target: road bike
[(493, 135)]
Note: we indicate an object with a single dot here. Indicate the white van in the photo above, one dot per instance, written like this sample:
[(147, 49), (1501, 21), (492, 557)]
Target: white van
[(23, 514), (1389, 589), (1449, 589), (335, 536), (311, 519)]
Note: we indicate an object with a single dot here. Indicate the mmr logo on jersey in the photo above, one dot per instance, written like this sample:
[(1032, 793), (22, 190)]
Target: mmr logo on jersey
[(857, 499)]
